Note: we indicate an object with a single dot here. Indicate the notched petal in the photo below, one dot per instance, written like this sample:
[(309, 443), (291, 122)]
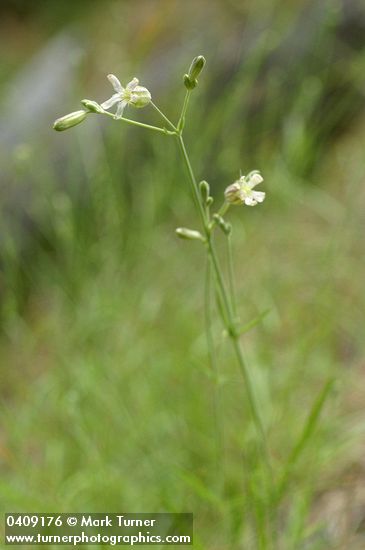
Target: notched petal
[(254, 178), (132, 84), (120, 109), (258, 196), (115, 83), (250, 201), (111, 101)]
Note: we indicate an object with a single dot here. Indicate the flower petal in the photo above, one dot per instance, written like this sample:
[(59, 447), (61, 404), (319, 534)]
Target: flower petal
[(120, 109), (115, 83), (132, 84), (111, 101), (258, 196), (254, 178), (250, 201)]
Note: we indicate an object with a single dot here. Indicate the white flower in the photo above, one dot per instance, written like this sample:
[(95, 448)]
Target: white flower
[(132, 94), (241, 191)]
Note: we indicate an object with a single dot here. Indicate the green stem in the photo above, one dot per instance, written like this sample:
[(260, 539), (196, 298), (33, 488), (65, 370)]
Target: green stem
[(210, 245), (223, 209), (232, 286), (228, 317), (142, 125), (229, 321), (163, 116), (214, 370), (194, 185), (181, 123)]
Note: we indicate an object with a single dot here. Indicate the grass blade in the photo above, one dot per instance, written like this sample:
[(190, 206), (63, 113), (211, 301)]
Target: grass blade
[(251, 324), (308, 430)]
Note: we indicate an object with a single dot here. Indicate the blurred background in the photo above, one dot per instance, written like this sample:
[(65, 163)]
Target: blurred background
[(106, 388)]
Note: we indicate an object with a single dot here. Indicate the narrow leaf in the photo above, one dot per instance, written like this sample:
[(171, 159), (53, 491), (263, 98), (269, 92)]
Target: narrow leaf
[(251, 324), (308, 430)]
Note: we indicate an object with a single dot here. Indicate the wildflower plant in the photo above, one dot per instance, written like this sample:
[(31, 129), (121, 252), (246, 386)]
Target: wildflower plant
[(241, 192)]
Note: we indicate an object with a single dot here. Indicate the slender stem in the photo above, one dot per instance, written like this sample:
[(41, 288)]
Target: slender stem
[(229, 321), (228, 318), (181, 123), (214, 370), (142, 125), (250, 393), (232, 286), (194, 186), (223, 209), (163, 116), (210, 245)]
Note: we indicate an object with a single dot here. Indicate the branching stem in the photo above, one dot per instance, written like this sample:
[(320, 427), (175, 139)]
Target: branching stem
[(228, 317), (142, 125), (163, 116)]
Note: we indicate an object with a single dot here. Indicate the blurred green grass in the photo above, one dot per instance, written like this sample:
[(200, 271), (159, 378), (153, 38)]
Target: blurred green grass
[(106, 387)]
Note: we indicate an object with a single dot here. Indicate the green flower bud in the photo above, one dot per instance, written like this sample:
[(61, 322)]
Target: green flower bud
[(196, 67), (189, 84), (92, 106), (70, 120), (218, 219), (225, 227), (190, 234), (204, 190)]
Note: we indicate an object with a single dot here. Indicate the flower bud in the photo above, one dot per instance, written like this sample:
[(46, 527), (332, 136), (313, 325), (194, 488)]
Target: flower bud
[(232, 194), (196, 67), (67, 121), (140, 97), (227, 228), (190, 234), (189, 83), (224, 226), (92, 106), (204, 190)]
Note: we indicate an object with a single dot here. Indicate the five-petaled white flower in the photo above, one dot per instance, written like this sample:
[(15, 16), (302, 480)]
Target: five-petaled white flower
[(241, 191), (132, 94)]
